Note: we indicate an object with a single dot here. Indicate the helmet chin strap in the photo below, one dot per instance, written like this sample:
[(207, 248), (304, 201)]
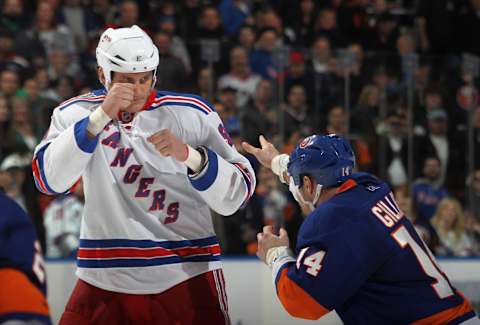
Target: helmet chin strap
[(295, 190)]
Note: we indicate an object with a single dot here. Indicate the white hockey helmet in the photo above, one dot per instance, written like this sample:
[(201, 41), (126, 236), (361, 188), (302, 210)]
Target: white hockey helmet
[(127, 50)]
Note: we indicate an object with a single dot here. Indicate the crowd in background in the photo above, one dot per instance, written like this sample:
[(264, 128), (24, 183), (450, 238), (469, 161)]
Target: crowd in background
[(282, 68)]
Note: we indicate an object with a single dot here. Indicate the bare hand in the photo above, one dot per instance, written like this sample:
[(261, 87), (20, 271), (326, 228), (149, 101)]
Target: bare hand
[(119, 98), (169, 145), (265, 154), (267, 239)]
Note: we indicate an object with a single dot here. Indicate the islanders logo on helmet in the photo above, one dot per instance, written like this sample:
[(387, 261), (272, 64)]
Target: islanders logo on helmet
[(307, 141), (327, 158)]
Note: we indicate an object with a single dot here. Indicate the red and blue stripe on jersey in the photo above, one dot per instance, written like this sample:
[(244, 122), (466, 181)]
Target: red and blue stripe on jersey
[(247, 177), (108, 253), (96, 96), (39, 174), (165, 98)]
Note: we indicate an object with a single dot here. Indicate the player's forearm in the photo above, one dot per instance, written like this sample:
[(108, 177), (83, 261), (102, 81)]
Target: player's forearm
[(223, 185), (61, 162), (97, 121)]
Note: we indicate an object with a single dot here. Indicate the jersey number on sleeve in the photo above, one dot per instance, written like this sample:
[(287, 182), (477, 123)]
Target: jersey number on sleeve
[(426, 261), (313, 261)]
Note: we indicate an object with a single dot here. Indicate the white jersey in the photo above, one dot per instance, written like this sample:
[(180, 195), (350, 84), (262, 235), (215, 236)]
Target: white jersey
[(62, 226), (147, 223)]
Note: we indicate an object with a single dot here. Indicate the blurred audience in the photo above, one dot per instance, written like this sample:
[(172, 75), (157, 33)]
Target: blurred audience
[(278, 68)]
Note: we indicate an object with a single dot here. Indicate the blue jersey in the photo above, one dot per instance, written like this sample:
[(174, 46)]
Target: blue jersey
[(358, 254), (22, 274), (426, 198)]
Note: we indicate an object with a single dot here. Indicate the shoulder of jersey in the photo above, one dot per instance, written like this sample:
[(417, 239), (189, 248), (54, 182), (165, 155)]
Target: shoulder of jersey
[(181, 102), (11, 211), (86, 101)]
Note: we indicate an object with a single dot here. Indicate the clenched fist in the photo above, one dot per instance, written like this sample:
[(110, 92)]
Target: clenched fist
[(119, 97), (169, 145), (267, 239)]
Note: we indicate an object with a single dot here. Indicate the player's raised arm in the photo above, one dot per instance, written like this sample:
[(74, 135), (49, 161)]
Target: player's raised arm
[(62, 156)]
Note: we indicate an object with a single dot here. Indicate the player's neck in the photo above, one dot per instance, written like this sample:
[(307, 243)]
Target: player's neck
[(326, 195)]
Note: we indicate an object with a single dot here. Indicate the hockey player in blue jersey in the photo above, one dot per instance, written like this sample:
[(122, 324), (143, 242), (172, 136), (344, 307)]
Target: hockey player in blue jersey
[(22, 274), (356, 252)]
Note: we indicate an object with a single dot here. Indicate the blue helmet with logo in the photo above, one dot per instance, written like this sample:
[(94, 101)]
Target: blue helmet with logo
[(327, 158)]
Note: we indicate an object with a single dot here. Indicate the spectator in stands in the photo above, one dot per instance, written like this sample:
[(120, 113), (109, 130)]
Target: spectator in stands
[(62, 220), (359, 70), (269, 18), (205, 80), (22, 135), (227, 109), (60, 65), (50, 33), (8, 56), (303, 23), (295, 114), (258, 117), (406, 206), (79, 20), (103, 13), (9, 83), (63, 89), (326, 84), (326, 25), (297, 73), (395, 143), (448, 149), (240, 77), (473, 194), (210, 28), (428, 192), (366, 115), (171, 73), (261, 58), (42, 107), (128, 14), (178, 47), (14, 17), (383, 36), (449, 223), (246, 38), (236, 13), (436, 22), (14, 165), (321, 55)]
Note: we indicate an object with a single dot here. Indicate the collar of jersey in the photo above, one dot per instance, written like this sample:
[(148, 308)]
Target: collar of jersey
[(348, 185)]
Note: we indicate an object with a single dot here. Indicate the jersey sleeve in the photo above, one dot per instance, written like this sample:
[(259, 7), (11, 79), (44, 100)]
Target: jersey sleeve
[(62, 156), (324, 273), (227, 181)]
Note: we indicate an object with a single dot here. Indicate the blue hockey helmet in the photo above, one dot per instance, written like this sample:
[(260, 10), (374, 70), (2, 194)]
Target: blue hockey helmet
[(327, 158)]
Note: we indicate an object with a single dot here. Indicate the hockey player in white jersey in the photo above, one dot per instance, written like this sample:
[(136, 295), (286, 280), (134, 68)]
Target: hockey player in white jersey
[(153, 164)]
